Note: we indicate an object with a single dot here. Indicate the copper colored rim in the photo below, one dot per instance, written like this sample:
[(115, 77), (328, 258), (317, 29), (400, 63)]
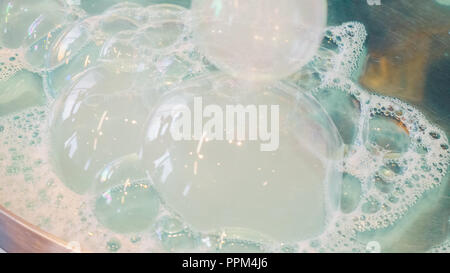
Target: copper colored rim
[(20, 236)]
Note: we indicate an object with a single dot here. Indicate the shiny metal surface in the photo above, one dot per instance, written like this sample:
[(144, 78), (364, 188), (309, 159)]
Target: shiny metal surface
[(17, 235), (408, 57), (408, 49)]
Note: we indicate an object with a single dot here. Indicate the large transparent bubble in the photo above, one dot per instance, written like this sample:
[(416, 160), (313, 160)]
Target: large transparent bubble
[(32, 25), (97, 120), (105, 72), (26, 21), (259, 40), (222, 179), (126, 201)]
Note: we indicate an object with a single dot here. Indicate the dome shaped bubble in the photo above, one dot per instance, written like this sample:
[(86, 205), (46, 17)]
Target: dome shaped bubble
[(175, 236), (32, 25), (277, 166), (127, 202), (259, 40), (388, 133), (68, 42), (97, 120), (103, 66), (121, 50), (25, 21)]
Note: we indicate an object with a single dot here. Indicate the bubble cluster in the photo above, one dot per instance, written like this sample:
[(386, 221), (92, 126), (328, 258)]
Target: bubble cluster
[(105, 73), (442, 248), (129, 38), (396, 154), (10, 63), (85, 167)]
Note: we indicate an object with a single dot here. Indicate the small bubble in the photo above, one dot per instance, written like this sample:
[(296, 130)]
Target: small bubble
[(435, 135), (373, 247), (12, 170), (314, 244), (393, 199), (393, 166), (371, 206), (113, 245), (383, 185), (289, 249)]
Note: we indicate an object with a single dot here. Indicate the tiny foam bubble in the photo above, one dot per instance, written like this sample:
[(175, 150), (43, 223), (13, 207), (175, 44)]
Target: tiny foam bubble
[(10, 62)]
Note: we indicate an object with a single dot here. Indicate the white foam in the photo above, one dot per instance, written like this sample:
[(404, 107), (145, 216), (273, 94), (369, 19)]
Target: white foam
[(10, 62)]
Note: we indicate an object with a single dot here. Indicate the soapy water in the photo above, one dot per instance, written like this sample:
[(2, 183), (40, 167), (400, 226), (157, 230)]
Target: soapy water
[(75, 161)]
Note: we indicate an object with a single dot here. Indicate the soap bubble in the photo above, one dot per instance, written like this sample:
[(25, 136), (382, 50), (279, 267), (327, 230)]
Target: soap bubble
[(67, 44), (26, 21), (345, 114), (126, 201), (259, 40), (132, 37), (351, 192), (389, 134), (32, 26), (96, 121), (113, 245), (61, 77), (239, 247), (127, 208), (175, 236), (214, 184)]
